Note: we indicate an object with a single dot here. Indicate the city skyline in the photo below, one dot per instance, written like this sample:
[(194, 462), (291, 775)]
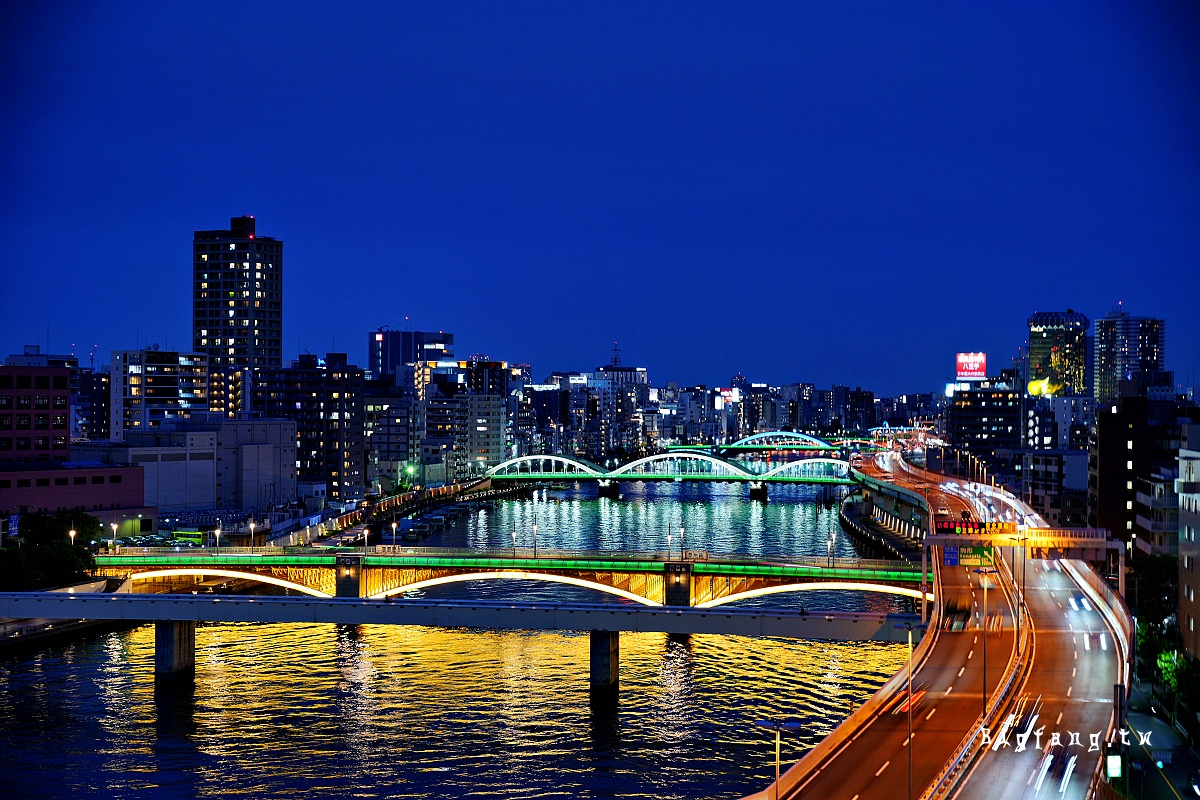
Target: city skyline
[(782, 194)]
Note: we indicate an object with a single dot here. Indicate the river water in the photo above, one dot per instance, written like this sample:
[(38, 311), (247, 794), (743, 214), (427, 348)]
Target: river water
[(323, 711)]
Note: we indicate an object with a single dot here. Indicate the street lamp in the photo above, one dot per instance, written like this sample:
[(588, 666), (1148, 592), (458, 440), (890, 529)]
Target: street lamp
[(535, 538), (680, 541), (829, 549), (366, 535), (393, 533), (1021, 597), (982, 571), (777, 726), (908, 626), (218, 537), (71, 533), (113, 543), (252, 534), (514, 534)]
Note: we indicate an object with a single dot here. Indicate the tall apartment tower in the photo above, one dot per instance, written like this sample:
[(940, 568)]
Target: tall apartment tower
[(237, 308), (1058, 353), (388, 351), (1126, 347)]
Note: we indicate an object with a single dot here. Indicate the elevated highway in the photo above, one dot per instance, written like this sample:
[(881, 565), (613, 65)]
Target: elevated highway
[(1058, 674)]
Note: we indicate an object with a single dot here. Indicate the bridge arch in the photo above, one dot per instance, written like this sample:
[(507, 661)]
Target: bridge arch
[(769, 437), (524, 465), (715, 464), (831, 467), (879, 588), (516, 575), (227, 573)]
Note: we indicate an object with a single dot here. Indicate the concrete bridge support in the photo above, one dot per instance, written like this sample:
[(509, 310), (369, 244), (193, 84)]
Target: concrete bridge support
[(606, 662), (758, 491), (609, 489), (175, 649), (677, 583), (349, 576)]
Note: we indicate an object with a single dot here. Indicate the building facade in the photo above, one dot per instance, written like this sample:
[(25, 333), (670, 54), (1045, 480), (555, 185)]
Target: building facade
[(1125, 347), (35, 415), (151, 386), (1058, 353), (237, 308)]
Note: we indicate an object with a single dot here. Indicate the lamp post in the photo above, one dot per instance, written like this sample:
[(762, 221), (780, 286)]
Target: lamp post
[(393, 533), (535, 538), (514, 535), (681, 548), (908, 626), (1020, 539), (252, 534), (218, 537), (71, 533), (829, 550), (983, 571), (113, 543), (777, 726), (366, 535)]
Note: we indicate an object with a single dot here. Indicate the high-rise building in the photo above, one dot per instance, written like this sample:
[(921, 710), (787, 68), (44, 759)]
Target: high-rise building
[(1058, 353), (1187, 487), (150, 386), (237, 308), (388, 351), (1126, 347), (325, 399)]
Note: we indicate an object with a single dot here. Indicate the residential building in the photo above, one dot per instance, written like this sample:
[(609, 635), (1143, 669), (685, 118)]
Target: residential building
[(324, 397), (148, 387), (1187, 489), (237, 308), (35, 416), (388, 351)]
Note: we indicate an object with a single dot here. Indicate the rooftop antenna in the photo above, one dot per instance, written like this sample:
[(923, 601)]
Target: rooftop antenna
[(616, 357)]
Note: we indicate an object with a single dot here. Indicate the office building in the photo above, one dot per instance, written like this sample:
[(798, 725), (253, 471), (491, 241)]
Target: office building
[(1127, 348), (1058, 354), (148, 387), (389, 351), (237, 308)]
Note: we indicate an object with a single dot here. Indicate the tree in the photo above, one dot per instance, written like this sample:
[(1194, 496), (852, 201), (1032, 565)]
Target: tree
[(44, 556)]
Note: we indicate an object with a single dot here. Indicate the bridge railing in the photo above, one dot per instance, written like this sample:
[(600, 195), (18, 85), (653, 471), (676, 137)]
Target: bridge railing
[(695, 556)]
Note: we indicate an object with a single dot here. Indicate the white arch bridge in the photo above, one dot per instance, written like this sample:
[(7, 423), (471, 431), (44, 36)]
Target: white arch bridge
[(675, 466)]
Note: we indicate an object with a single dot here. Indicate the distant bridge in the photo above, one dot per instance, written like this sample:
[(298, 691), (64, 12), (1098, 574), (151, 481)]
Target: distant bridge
[(675, 466)]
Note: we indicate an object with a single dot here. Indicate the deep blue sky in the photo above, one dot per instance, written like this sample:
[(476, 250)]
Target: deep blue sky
[(825, 192)]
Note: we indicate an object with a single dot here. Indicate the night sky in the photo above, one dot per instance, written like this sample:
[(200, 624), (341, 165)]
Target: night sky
[(824, 192)]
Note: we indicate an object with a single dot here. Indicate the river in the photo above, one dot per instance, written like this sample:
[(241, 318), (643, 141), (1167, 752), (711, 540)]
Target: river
[(323, 711)]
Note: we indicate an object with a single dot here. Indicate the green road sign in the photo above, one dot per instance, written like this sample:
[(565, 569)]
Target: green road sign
[(976, 557)]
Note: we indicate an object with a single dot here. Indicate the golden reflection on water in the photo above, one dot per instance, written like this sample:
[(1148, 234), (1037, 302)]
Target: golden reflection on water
[(430, 712)]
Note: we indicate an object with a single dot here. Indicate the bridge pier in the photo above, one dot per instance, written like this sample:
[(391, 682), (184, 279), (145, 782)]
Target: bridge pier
[(175, 649), (348, 578), (677, 583), (609, 489), (758, 491), (605, 662)]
